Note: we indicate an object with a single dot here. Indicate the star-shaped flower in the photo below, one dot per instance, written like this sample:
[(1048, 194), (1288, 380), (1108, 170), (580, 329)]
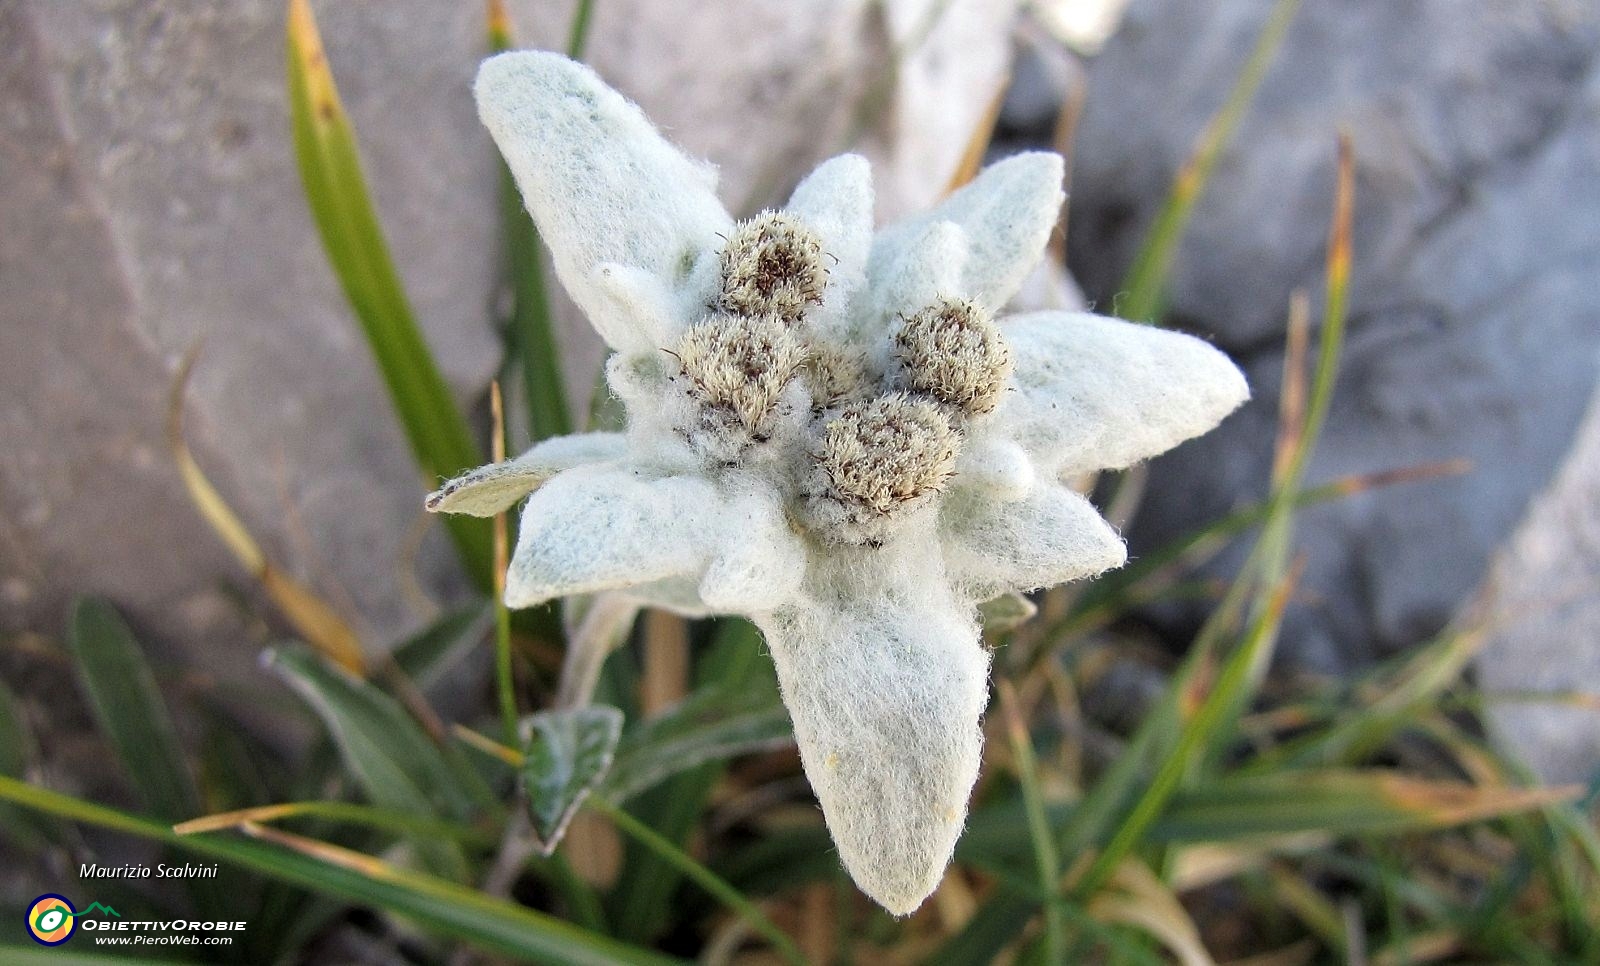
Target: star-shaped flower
[(830, 433)]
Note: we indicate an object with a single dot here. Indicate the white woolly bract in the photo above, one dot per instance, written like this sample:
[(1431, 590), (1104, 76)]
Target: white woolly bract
[(603, 187), (605, 527), (886, 683), (1006, 214), (1092, 393)]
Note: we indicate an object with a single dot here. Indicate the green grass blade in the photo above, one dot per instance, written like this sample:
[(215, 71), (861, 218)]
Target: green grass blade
[(127, 705), (350, 813), (1230, 684), (578, 33), (490, 924), (1145, 285), (702, 877), (428, 655), (1047, 862), (336, 190)]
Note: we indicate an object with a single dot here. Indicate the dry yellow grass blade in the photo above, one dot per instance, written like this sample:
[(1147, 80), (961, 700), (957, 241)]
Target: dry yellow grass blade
[(1135, 897), (1458, 803), (312, 618)]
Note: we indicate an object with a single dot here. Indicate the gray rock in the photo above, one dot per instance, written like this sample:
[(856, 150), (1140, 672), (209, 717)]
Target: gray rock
[(151, 200), (1543, 599), (1474, 328)]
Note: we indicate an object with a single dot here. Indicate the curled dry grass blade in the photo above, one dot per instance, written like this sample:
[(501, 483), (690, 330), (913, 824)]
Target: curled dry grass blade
[(1143, 289), (311, 617), (336, 191)]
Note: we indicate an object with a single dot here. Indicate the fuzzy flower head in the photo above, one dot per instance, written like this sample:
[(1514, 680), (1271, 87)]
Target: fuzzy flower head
[(830, 432)]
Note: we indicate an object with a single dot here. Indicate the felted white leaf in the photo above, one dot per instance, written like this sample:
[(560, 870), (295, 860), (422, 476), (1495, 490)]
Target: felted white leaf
[(601, 184), (760, 563), (1006, 213), (835, 201), (886, 694), (495, 488), (1050, 537), (1092, 393)]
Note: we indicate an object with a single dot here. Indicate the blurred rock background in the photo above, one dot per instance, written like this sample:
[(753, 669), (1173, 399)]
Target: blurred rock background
[(1475, 320), (150, 200)]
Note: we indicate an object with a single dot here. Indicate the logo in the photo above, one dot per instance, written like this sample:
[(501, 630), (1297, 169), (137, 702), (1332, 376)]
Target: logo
[(51, 920)]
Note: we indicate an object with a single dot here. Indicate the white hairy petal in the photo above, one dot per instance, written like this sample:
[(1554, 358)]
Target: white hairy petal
[(495, 488), (1093, 393), (835, 201), (1052, 536), (1007, 213), (886, 695), (602, 184), (603, 528), (906, 279)]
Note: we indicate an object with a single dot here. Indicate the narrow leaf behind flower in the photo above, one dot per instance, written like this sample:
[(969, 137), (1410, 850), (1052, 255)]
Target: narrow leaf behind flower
[(336, 190), (713, 724), (127, 705), (383, 748), (565, 756)]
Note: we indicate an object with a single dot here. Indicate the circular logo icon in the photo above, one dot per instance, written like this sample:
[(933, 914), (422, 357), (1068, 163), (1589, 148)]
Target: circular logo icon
[(50, 920)]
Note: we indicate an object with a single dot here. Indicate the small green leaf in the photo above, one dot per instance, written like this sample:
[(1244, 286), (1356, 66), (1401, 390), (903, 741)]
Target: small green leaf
[(711, 725), (565, 757), (336, 190), (383, 747), (127, 704)]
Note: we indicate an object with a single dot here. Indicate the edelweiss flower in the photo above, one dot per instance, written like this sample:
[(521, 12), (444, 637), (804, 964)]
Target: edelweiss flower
[(829, 433)]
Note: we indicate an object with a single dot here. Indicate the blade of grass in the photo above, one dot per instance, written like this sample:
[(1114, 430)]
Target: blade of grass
[(1047, 863), (443, 907), (1198, 727), (336, 191), (127, 705), (1145, 284), (702, 877)]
